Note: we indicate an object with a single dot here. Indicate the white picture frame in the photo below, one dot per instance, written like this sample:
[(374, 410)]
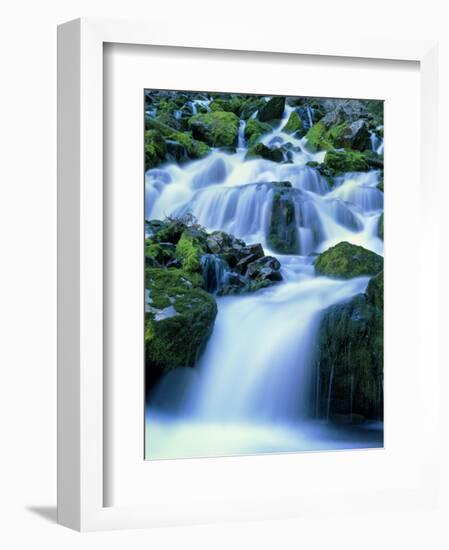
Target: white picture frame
[(81, 476)]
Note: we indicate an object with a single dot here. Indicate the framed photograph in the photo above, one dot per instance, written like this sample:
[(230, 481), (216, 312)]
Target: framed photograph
[(235, 331)]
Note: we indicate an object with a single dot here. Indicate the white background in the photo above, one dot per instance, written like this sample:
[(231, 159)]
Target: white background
[(28, 271)]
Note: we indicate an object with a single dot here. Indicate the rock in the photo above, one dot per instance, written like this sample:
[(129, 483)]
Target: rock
[(294, 123), (254, 130), (260, 150), (194, 148), (341, 162), (176, 151), (217, 128), (359, 138), (380, 227), (317, 139), (375, 290), (349, 378), (272, 110), (283, 232), (265, 268), (191, 246), (158, 254), (155, 149), (353, 135), (346, 260), (231, 104), (250, 105), (178, 321), (169, 231)]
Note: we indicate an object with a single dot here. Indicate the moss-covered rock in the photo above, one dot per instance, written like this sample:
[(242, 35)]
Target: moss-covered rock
[(340, 162), (155, 149), (259, 150), (342, 134), (317, 138), (272, 110), (283, 232), (250, 105), (230, 105), (375, 290), (349, 381), (190, 248), (194, 148), (346, 260), (217, 128), (294, 123), (178, 321), (254, 130), (380, 227)]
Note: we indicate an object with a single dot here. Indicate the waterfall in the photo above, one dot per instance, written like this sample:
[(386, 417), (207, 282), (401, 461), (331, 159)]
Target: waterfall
[(309, 112), (253, 389), (215, 272), (241, 136)]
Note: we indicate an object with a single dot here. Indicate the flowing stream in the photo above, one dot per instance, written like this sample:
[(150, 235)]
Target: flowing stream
[(252, 390)]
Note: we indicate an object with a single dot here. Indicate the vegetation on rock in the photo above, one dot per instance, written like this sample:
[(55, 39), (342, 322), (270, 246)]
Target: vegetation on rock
[(217, 128), (346, 260)]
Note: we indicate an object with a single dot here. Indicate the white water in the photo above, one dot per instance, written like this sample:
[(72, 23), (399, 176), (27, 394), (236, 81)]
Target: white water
[(251, 391)]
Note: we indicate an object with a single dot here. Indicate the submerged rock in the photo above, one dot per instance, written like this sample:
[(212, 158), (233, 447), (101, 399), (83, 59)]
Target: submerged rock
[(346, 260)]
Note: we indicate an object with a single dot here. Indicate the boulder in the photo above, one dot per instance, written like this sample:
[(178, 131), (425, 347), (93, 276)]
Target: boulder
[(283, 232), (349, 380), (341, 162), (272, 110), (260, 150), (190, 247), (254, 130), (346, 260), (155, 149), (179, 318), (294, 123), (217, 128)]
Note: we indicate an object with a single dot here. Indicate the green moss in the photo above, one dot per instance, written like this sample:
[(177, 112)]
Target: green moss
[(350, 361), (380, 227), (190, 249), (178, 321), (155, 149), (217, 128), (259, 150), (317, 138), (231, 105), (272, 110), (294, 123), (194, 148), (254, 130), (341, 162), (346, 260), (375, 290), (249, 106)]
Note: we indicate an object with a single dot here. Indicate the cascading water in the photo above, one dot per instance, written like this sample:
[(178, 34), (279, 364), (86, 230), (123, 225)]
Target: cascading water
[(251, 391)]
